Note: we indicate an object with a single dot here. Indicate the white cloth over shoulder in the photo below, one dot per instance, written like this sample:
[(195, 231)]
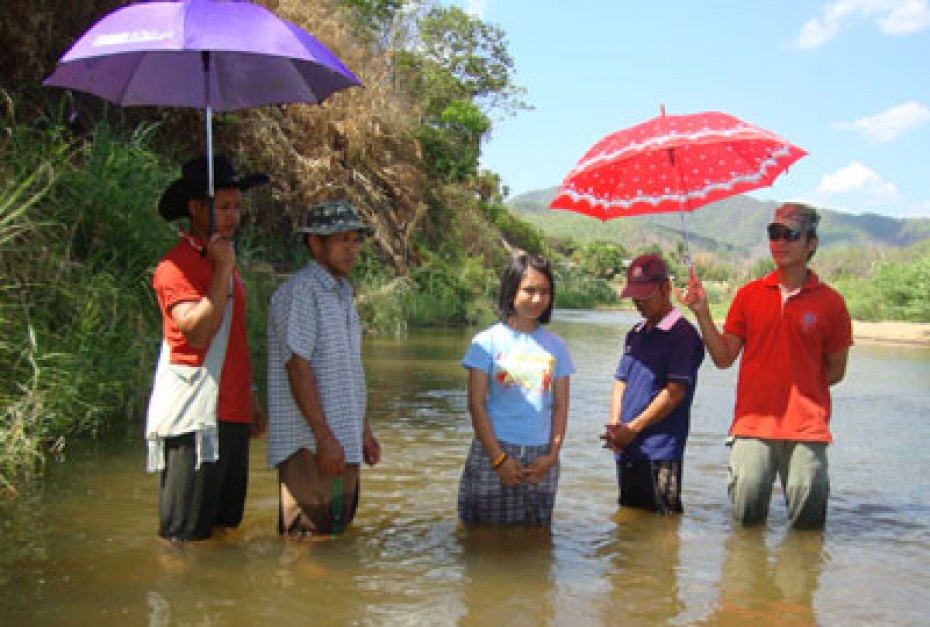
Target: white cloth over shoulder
[(184, 400)]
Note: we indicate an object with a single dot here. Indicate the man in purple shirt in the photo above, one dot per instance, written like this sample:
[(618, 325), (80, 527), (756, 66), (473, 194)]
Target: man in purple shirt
[(650, 408)]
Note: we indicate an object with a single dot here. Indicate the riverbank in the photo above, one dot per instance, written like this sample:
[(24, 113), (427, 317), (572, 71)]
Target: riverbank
[(886, 332), (903, 333)]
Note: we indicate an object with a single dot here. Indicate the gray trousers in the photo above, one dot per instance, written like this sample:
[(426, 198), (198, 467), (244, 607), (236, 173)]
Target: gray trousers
[(802, 469)]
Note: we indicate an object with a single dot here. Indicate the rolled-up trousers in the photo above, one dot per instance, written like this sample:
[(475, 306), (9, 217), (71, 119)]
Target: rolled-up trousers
[(802, 469)]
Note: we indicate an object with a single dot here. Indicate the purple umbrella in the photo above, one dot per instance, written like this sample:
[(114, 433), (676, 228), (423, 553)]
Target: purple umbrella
[(211, 54)]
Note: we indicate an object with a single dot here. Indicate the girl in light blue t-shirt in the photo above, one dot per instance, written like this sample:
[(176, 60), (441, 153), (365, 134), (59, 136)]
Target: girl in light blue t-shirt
[(518, 389)]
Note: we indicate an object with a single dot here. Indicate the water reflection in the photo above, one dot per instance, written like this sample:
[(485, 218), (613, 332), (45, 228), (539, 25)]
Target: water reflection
[(762, 585), (507, 577), (642, 566), (80, 548)]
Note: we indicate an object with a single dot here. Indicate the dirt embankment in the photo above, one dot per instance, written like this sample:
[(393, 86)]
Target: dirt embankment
[(905, 333)]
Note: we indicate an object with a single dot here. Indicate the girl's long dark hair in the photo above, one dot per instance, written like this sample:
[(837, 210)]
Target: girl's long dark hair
[(510, 283)]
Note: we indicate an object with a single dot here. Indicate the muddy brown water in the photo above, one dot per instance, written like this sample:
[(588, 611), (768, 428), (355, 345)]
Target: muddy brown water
[(80, 548)]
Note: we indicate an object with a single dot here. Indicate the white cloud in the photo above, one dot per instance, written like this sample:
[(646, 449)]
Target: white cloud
[(893, 17), (906, 18), (888, 125), (814, 33), (476, 8), (856, 188), (861, 180)]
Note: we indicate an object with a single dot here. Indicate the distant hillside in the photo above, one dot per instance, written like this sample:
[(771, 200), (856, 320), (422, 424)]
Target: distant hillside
[(731, 227)]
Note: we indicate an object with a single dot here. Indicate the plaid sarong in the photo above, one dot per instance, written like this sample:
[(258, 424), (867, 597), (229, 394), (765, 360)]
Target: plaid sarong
[(484, 500)]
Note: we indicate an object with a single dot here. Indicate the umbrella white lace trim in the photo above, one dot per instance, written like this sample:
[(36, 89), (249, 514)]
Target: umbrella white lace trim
[(750, 178)]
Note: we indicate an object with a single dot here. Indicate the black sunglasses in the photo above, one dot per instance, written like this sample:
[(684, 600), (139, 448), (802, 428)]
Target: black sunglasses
[(780, 231)]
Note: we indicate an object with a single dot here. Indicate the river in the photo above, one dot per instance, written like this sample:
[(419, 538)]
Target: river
[(80, 547)]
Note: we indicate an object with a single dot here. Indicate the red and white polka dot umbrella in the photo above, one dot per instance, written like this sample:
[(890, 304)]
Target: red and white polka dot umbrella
[(674, 163)]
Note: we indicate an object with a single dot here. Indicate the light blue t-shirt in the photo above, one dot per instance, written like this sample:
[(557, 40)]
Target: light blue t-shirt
[(521, 368)]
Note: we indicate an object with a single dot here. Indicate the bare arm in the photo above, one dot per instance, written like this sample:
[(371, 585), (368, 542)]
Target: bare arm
[(616, 402), (613, 420), (200, 320), (560, 396), (538, 468), (665, 401), (510, 471), (259, 418), (371, 448), (724, 347), (660, 407), (836, 365), (329, 452)]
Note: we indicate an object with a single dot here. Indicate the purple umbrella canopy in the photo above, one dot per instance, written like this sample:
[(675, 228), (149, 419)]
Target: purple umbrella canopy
[(218, 55), (155, 53)]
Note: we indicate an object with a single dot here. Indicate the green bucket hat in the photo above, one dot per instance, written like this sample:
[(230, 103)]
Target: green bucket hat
[(334, 216)]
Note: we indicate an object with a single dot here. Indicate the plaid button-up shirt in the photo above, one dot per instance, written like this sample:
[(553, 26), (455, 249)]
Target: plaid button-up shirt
[(312, 315)]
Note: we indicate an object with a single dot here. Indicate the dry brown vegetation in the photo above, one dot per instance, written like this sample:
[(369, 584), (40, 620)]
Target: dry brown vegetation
[(360, 144), (34, 33)]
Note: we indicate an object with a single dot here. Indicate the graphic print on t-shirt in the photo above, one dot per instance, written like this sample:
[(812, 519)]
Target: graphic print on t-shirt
[(531, 372)]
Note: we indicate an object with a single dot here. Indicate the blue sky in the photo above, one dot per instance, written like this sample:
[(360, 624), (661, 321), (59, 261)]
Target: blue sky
[(847, 80)]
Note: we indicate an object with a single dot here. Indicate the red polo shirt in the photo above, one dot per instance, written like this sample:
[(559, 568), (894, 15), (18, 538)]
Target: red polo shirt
[(182, 276), (782, 391)]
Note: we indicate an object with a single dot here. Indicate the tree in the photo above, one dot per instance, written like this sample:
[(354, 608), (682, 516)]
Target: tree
[(459, 57), (374, 17), (903, 286), (452, 140), (459, 70), (604, 261), (761, 267)]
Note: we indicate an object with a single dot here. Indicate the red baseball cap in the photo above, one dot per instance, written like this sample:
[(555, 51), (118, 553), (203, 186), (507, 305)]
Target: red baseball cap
[(644, 276)]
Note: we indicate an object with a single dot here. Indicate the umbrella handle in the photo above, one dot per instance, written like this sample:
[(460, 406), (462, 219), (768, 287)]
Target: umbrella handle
[(212, 222)]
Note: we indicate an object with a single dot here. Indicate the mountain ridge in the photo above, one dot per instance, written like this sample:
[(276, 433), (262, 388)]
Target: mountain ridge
[(733, 226)]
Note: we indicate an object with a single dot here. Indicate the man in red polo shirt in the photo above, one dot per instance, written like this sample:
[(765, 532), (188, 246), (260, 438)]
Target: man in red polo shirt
[(794, 333)]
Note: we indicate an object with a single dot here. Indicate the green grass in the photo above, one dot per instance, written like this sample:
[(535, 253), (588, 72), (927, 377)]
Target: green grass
[(78, 239)]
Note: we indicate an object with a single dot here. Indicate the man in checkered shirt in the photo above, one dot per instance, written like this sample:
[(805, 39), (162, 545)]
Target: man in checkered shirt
[(318, 433)]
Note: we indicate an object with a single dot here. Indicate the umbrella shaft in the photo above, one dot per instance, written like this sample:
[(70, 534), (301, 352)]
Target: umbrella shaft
[(205, 58)]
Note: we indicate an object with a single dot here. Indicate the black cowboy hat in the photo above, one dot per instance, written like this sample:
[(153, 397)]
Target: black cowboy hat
[(194, 182)]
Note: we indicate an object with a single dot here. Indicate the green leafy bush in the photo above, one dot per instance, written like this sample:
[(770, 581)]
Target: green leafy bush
[(578, 289)]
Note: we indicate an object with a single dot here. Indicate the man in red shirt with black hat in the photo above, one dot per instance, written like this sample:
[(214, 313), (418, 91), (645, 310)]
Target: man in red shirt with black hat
[(202, 450)]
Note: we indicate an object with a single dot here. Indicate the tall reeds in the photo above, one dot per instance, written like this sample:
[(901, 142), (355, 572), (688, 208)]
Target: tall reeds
[(78, 238)]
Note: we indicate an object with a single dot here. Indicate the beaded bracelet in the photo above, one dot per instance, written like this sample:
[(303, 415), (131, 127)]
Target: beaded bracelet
[(500, 460)]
